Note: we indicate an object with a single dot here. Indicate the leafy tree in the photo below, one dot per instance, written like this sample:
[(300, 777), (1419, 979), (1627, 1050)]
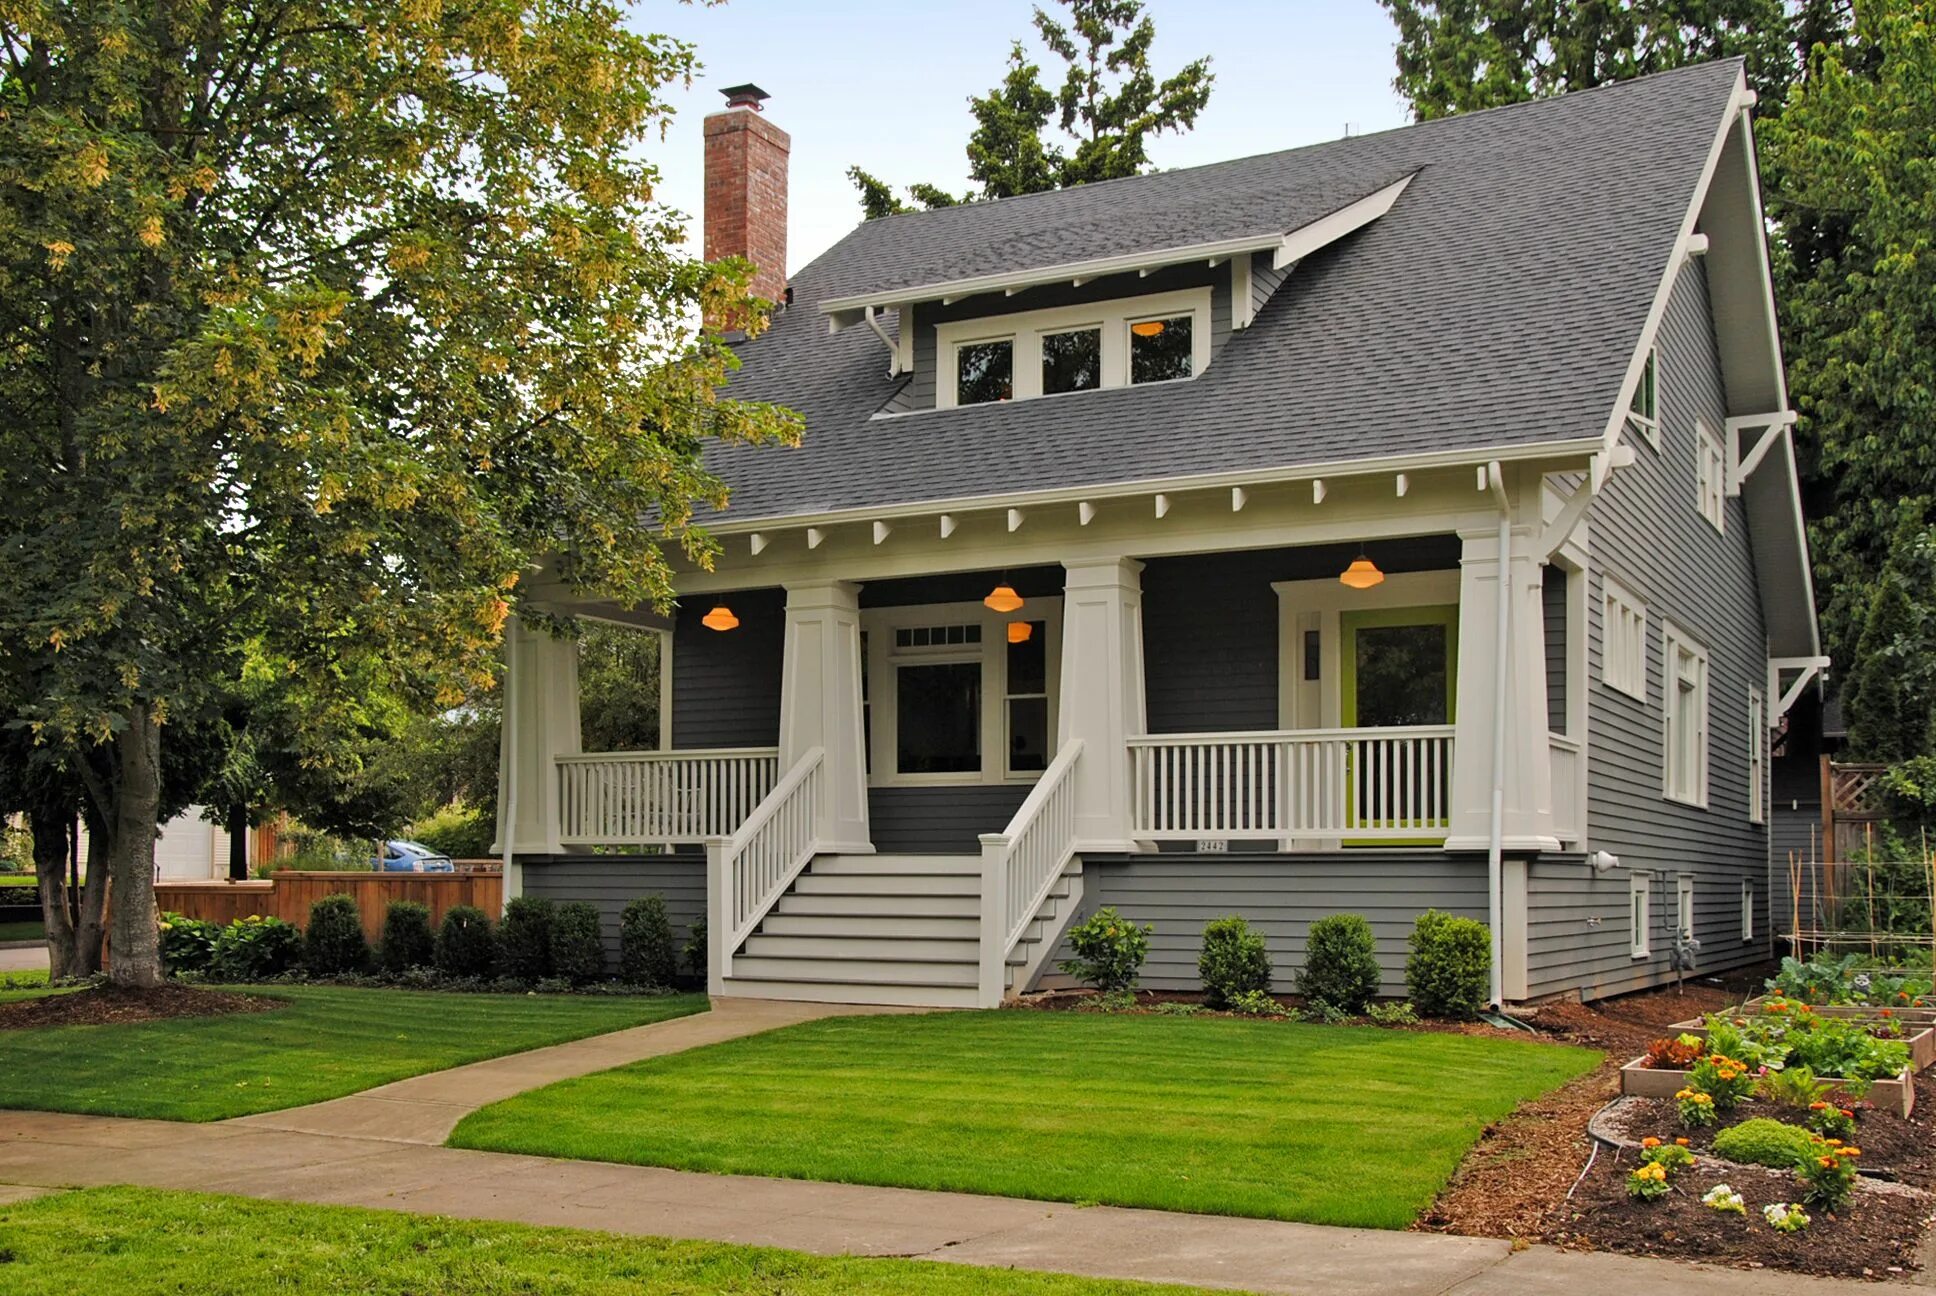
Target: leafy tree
[(325, 320), (1107, 107), (1891, 690)]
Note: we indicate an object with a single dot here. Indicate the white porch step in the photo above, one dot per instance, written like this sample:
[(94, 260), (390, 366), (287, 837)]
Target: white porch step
[(814, 882), (870, 925), (842, 947), (895, 865), (855, 971), (912, 996), (912, 906)]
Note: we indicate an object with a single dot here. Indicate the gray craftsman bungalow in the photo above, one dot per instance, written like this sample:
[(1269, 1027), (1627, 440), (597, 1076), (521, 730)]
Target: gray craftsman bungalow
[(1145, 549)]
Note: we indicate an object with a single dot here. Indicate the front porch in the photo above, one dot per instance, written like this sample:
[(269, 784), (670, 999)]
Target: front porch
[(940, 759)]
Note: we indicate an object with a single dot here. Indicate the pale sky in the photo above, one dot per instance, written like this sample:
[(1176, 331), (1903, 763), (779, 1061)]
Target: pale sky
[(886, 85)]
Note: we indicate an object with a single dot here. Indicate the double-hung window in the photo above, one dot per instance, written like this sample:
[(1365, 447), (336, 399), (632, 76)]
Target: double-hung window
[(1685, 726), (1710, 483), (1623, 663), (1159, 337)]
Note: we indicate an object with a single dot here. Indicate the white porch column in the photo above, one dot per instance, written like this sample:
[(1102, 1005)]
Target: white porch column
[(1528, 817), (540, 724), (820, 706), (1102, 692)]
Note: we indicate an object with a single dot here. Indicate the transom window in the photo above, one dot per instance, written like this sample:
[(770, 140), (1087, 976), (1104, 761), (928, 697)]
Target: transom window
[(1686, 718), (1163, 337)]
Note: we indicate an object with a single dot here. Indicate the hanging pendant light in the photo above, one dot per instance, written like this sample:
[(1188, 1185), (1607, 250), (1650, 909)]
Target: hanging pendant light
[(1002, 598), (1362, 574), (1147, 328), (721, 618), (1020, 631)]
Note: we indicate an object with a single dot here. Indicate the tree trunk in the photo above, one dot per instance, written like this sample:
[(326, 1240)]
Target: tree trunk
[(49, 828), (238, 843), (135, 951), (91, 913)]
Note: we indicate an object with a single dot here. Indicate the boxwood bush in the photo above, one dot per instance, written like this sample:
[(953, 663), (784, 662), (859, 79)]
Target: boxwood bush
[(1449, 971), (466, 945), (695, 951), (333, 943), (1765, 1142), (1340, 963), (524, 939), (646, 955), (407, 940), (1233, 961), (577, 949)]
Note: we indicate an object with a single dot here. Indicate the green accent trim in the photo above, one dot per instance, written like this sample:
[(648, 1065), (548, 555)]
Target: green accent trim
[(1349, 623)]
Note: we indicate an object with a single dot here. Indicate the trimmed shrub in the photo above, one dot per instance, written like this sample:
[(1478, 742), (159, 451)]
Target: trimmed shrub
[(254, 949), (334, 943), (187, 944), (1340, 963), (1450, 967), (577, 949), (407, 940), (524, 939), (1765, 1142), (646, 955), (466, 946), (1109, 951), (1233, 962), (695, 951)]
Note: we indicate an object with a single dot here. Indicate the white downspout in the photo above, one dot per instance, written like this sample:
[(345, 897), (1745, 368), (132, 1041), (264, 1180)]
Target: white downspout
[(1501, 681)]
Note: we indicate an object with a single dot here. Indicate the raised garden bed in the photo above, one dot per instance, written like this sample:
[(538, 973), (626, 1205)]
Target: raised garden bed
[(1919, 1036), (1638, 1080)]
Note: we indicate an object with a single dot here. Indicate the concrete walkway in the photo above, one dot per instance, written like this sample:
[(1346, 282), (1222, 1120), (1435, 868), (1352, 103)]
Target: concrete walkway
[(378, 1149), (23, 958)]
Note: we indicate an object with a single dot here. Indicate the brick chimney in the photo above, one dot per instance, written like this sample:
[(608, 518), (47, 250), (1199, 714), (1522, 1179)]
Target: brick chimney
[(746, 189)]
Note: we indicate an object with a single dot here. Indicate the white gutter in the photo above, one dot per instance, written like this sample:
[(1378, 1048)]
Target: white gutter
[(1501, 672)]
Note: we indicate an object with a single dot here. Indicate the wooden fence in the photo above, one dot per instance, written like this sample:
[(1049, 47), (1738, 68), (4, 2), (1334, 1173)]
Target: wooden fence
[(287, 895)]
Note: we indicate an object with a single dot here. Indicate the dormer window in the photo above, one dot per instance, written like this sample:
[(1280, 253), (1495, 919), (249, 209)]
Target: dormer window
[(1163, 337)]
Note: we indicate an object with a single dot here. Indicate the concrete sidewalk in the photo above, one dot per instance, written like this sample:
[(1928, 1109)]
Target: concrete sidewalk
[(23, 958), (379, 1149)]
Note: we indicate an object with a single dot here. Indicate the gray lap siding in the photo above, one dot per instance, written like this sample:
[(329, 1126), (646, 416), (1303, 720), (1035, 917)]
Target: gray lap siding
[(610, 882), (1281, 896), (1649, 534)]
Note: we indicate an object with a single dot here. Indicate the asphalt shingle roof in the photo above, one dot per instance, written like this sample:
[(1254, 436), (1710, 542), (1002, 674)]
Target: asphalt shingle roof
[(1495, 305)]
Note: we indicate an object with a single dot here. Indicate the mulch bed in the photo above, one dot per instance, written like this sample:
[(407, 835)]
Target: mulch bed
[(110, 1005), (1147, 1002), (1529, 1177)]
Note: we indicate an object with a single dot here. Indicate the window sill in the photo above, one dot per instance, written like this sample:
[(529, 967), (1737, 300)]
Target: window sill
[(1686, 801)]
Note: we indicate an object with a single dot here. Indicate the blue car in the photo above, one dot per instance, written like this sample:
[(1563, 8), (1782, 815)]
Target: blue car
[(410, 857)]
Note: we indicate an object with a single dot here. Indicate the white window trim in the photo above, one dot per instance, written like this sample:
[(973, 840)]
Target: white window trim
[(1710, 476), (1648, 425), (1640, 918), (1747, 909), (1675, 641), (1026, 329), (1623, 663), (991, 652), (1683, 907), (1757, 756)]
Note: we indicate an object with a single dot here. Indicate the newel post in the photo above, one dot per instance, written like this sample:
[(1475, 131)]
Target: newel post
[(719, 915), (993, 946)]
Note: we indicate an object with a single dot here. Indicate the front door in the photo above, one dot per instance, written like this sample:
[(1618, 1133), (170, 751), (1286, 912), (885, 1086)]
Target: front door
[(1399, 669)]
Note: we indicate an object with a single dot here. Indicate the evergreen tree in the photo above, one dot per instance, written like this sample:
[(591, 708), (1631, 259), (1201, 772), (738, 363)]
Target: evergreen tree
[(1108, 105)]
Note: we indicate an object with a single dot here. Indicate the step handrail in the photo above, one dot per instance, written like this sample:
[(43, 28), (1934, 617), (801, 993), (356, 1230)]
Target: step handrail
[(1020, 866), (748, 872)]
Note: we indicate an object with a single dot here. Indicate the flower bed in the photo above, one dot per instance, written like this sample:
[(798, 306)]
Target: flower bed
[(1919, 1036)]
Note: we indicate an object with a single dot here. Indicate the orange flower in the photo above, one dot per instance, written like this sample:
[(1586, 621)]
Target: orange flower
[(1650, 1142), (1818, 1106), (1849, 1152), (1681, 1142), (1827, 1163)]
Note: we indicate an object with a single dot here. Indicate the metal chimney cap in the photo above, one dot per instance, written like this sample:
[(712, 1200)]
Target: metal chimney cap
[(745, 96)]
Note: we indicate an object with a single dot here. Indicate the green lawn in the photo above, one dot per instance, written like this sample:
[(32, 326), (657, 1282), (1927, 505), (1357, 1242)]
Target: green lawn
[(21, 931), (1327, 1124), (24, 985), (18, 879), (328, 1042), (122, 1241)]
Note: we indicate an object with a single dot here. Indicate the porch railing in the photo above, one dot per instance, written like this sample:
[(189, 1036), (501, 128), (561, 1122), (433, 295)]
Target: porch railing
[(1569, 818), (751, 869), (1342, 784), (607, 798), (1020, 865)]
